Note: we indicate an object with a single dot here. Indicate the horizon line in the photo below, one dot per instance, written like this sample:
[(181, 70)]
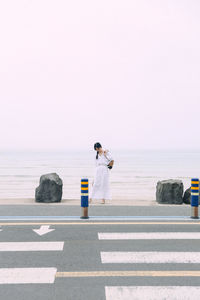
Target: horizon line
[(90, 149)]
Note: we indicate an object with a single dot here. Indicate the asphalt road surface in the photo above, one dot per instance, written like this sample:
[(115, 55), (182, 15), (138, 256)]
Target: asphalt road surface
[(98, 260)]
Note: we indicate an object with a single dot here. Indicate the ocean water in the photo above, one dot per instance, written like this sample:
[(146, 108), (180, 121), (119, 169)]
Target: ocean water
[(134, 176)]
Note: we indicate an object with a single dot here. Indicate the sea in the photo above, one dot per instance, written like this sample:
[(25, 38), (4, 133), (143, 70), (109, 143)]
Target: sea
[(134, 176)]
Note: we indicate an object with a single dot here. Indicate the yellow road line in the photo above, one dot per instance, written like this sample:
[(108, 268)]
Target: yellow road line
[(129, 274), (96, 223)]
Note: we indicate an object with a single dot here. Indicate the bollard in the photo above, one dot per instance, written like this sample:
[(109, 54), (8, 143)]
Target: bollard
[(194, 198), (84, 198)]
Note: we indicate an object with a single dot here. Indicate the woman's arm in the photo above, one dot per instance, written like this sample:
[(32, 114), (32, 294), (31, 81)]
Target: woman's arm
[(105, 154), (111, 163)]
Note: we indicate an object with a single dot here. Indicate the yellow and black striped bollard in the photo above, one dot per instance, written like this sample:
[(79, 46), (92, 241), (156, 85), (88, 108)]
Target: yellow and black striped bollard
[(84, 198)]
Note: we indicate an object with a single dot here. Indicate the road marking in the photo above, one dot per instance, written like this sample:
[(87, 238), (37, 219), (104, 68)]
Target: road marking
[(44, 229), (192, 222), (27, 275), (150, 257), (148, 235), (129, 274), (32, 246), (152, 292)]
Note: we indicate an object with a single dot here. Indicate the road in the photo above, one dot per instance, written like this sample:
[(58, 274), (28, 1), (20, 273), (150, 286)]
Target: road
[(98, 260)]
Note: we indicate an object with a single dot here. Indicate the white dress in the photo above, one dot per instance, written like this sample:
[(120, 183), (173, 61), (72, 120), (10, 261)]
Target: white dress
[(101, 186)]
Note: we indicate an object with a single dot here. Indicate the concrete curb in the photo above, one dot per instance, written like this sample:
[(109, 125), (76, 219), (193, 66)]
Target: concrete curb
[(98, 218)]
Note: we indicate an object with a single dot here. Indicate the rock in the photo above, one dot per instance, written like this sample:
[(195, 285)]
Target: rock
[(50, 189), (169, 192), (187, 196)]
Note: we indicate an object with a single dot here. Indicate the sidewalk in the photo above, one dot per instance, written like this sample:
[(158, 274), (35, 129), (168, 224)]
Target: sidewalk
[(31, 201)]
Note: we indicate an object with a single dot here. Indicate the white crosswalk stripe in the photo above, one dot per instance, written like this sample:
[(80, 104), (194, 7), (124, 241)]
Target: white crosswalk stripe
[(150, 257), (32, 246), (27, 275), (152, 293), (148, 235)]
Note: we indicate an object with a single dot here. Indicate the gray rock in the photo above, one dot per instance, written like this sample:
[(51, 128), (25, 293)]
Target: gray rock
[(169, 192), (187, 196), (50, 189)]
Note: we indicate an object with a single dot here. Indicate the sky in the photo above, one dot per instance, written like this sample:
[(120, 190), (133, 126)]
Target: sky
[(122, 73)]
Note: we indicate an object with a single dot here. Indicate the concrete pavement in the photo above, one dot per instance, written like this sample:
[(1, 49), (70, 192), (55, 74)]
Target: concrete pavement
[(94, 210)]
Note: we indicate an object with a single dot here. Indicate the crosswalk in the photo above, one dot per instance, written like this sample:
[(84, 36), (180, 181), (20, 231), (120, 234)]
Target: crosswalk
[(145, 292), (133, 262)]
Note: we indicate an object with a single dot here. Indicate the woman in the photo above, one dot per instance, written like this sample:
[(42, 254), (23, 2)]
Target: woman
[(104, 162)]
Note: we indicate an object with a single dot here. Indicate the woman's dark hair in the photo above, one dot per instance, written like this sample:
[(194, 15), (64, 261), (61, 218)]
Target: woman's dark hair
[(97, 145)]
